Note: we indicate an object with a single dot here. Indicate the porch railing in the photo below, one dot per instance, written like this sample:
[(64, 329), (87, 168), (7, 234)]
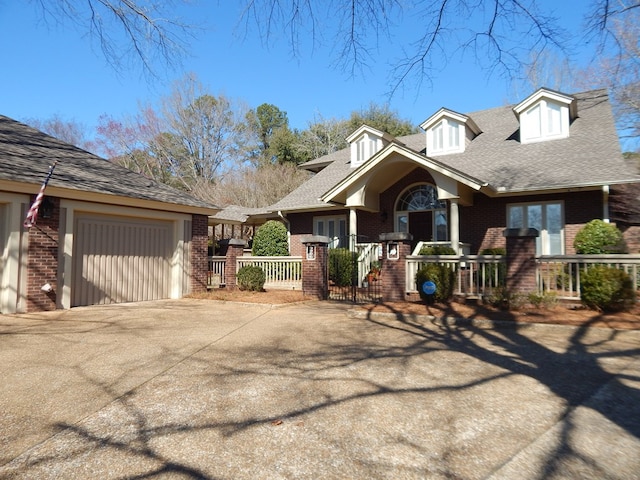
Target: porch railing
[(476, 275), (216, 277), (283, 273), (561, 274), (368, 255)]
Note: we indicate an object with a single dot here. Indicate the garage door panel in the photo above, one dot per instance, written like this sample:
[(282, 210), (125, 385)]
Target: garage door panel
[(119, 260)]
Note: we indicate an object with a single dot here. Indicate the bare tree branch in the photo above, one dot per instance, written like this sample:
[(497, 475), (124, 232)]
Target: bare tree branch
[(128, 32)]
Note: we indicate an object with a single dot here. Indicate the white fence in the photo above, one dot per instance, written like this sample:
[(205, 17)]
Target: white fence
[(283, 273), (476, 275), (216, 277), (561, 274)]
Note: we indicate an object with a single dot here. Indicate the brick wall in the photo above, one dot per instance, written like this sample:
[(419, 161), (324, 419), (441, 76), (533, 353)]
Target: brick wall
[(198, 260), (482, 224), (42, 260)]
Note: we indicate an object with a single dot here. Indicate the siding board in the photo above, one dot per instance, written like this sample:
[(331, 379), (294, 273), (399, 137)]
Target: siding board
[(118, 259)]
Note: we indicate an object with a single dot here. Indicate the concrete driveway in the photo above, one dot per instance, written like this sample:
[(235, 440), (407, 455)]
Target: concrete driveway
[(200, 389)]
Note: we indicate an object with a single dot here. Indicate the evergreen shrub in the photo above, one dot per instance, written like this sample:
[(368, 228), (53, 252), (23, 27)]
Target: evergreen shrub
[(598, 237), (252, 278), (444, 278), (342, 266), (271, 240), (606, 289)]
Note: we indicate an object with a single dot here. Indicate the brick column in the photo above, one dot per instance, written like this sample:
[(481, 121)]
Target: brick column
[(521, 259), (395, 248), (315, 266), (42, 268), (199, 262), (235, 249)]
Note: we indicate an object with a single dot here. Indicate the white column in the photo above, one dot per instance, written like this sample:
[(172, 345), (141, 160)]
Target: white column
[(454, 224), (605, 203), (353, 225)]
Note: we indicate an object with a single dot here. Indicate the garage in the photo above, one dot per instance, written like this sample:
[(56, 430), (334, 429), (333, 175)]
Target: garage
[(119, 259)]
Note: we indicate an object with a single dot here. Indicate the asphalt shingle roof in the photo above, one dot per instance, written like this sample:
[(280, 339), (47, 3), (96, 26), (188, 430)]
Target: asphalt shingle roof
[(589, 156), (27, 153)]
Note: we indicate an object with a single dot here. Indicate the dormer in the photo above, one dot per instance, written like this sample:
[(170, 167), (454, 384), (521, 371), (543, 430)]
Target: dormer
[(449, 132), (365, 142), (545, 115)]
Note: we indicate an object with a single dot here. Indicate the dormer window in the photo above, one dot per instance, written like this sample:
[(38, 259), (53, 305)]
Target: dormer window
[(448, 132), (365, 143), (545, 115), (446, 136)]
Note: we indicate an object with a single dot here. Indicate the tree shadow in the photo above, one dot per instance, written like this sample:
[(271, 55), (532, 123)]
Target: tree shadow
[(239, 393)]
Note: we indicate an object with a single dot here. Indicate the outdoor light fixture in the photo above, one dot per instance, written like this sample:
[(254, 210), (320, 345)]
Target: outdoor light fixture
[(46, 209)]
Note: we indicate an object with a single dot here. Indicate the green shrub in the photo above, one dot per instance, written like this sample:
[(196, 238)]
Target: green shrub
[(493, 280), (342, 266), (504, 299), (607, 289), (436, 250), (598, 237), (271, 240), (252, 278), (543, 300), (442, 275)]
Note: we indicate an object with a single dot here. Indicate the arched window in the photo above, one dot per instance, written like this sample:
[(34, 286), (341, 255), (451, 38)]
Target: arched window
[(422, 198)]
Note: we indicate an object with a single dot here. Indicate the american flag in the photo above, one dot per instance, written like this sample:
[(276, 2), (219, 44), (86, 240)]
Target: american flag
[(32, 214)]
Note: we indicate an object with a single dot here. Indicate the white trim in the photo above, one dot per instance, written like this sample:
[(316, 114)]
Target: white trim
[(14, 243)]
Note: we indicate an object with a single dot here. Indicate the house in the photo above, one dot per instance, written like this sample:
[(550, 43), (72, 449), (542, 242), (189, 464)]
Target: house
[(547, 163), (104, 234)]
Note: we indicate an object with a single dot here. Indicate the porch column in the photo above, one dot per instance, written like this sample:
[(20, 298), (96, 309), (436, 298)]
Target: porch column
[(521, 259), (235, 248), (353, 226), (315, 267), (454, 225), (396, 247)]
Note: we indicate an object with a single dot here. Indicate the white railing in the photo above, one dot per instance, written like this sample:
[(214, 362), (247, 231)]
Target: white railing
[(560, 274), (283, 273), (368, 256), (216, 277), (476, 275), (463, 248)]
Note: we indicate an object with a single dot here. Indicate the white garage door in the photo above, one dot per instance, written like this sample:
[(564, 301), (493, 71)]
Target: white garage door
[(119, 259)]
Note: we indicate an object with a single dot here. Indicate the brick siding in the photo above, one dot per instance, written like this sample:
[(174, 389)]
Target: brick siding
[(42, 263), (198, 253)]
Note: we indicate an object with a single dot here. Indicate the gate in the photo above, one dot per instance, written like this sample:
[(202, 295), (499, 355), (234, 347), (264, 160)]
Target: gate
[(354, 270)]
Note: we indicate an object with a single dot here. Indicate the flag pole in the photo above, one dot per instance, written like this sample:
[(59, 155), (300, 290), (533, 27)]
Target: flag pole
[(32, 214)]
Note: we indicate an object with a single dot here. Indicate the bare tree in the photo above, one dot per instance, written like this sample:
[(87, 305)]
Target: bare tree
[(502, 35), (69, 131), (257, 187), (127, 31)]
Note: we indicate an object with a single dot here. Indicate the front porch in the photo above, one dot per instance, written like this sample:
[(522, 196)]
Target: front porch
[(476, 276)]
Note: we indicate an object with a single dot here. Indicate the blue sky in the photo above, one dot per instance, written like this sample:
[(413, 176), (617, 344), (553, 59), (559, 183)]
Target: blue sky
[(50, 69)]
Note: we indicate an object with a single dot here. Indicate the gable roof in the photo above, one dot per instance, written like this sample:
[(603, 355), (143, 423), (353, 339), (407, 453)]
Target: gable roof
[(27, 153), (589, 157)]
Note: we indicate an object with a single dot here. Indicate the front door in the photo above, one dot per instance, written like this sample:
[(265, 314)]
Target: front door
[(421, 226)]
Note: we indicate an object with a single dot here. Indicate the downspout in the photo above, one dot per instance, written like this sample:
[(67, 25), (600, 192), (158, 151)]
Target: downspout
[(288, 225), (605, 203)]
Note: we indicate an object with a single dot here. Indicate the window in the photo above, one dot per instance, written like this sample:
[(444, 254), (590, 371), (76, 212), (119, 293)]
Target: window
[(446, 137), (333, 227), (438, 134), (545, 120), (422, 198), (547, 218)]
